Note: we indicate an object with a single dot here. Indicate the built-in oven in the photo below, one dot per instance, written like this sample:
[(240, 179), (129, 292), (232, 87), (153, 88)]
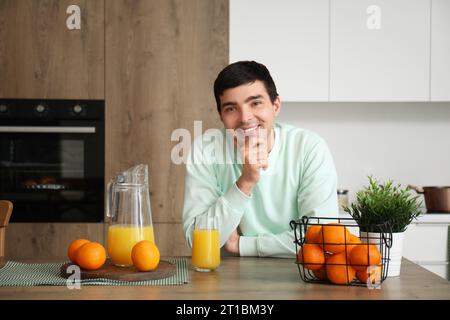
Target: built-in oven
[(52, 159)]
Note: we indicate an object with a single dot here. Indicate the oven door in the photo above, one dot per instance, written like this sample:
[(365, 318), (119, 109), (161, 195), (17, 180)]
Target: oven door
[(53, 173)]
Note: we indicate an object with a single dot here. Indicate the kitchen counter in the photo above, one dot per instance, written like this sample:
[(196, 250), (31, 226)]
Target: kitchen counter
[(252, 278), (424, 218)]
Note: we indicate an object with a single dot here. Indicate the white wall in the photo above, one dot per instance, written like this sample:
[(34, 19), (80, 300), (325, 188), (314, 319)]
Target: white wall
[(407, 142)]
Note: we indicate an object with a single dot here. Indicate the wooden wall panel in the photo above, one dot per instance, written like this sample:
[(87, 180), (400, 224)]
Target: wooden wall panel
[(170, 240), (162, 58), (48, 240), (51, 240), (41, 58), (160, 61)]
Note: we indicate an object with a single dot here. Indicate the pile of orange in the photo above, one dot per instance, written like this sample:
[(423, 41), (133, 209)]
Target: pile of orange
[(92, 255), (333, 253), (88, 255)]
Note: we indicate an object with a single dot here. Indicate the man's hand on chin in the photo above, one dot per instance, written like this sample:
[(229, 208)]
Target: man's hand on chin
[(232, 244)]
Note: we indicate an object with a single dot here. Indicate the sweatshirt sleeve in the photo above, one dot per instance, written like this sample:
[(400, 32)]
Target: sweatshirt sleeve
[(203, 196), (317, 197), (273, 245)]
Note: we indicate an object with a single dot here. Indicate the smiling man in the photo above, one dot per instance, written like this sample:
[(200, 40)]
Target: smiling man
[(278, 172)]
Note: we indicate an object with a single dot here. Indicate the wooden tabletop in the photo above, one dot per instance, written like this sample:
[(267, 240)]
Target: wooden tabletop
[(252, 278)]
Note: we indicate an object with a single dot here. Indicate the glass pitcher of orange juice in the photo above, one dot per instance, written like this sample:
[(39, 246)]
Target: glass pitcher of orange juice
[(128, 213), (205, 243)]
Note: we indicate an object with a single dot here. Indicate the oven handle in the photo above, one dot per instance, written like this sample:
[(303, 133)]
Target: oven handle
[(29, 129)]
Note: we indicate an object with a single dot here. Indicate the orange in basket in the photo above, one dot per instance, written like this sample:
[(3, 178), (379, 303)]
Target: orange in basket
[(320, 274), (333, 236), (373, 273), (352, 243), (338, 271), (365, 255), (312, 234), (312, 256)]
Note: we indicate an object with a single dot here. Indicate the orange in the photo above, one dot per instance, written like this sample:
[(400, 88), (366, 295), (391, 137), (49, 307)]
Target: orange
[(364, 255), (91, 256), (338, 271), (145, 255), (320, 274), (311, 256), (332, 236), (352, 242), (372, 273), (312, 234), (73, 247)]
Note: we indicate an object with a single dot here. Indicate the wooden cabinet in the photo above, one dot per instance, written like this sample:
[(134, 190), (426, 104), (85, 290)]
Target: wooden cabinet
[(161, 62), (290, 37), (41, 58), (154, 63), (440, 50), (379, 50)]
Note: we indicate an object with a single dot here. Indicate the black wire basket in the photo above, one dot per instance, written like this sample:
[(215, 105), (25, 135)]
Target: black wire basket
[(350, 273)]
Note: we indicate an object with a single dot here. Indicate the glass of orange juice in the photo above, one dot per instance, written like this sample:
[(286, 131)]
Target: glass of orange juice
[(205, 244)]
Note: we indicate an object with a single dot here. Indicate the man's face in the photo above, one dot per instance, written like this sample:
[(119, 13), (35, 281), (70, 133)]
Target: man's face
[(248, 107)]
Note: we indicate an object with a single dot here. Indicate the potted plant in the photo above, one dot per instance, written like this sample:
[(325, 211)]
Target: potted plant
[(388, 205)]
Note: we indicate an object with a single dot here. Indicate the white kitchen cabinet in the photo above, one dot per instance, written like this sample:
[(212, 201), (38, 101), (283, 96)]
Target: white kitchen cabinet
[(290, 37), (440, 50), (391, 63), (426, 243)]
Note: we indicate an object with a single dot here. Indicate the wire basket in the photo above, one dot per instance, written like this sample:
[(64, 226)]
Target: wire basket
[(325, 270)]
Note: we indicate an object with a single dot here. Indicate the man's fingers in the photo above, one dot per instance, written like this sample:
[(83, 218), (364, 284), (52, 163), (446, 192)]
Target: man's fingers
[(264, 164), (254, 151), (258, 151), (254, 144)]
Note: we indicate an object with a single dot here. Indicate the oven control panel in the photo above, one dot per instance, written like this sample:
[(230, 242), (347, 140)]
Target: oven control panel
[(51, 109)]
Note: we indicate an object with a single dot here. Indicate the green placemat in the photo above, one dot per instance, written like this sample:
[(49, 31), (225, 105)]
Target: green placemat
[(15, 274)]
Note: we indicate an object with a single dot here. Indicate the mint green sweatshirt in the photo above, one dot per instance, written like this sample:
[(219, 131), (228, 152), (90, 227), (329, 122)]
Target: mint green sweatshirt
[(300, 180)]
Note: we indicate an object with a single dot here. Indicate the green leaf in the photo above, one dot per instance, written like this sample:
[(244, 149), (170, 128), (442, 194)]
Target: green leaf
[(384, 203)]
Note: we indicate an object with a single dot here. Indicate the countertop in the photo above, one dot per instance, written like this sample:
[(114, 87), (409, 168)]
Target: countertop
[(252, 278), (424, 218)]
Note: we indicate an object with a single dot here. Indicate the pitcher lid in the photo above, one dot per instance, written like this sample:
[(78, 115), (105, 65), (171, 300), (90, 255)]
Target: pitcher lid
[(134, 175)]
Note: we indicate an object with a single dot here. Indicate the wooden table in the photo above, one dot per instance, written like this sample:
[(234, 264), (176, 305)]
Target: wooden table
[(252, 278)]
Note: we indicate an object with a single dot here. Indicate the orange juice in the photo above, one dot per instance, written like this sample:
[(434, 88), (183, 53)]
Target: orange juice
[(122, 238), (205, 249)]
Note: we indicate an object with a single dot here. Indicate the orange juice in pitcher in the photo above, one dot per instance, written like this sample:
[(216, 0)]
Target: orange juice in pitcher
[(122, 238), (128, 213)]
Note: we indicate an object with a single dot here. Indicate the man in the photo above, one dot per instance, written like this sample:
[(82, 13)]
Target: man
[(292, 173)]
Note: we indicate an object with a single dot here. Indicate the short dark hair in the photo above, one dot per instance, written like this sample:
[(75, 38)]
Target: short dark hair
[(243, 72)]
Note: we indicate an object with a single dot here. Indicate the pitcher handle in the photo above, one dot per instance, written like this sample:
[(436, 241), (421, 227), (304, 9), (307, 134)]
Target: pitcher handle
[(109, 200)]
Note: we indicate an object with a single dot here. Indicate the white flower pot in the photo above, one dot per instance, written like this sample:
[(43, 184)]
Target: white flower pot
[(395, 252)]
